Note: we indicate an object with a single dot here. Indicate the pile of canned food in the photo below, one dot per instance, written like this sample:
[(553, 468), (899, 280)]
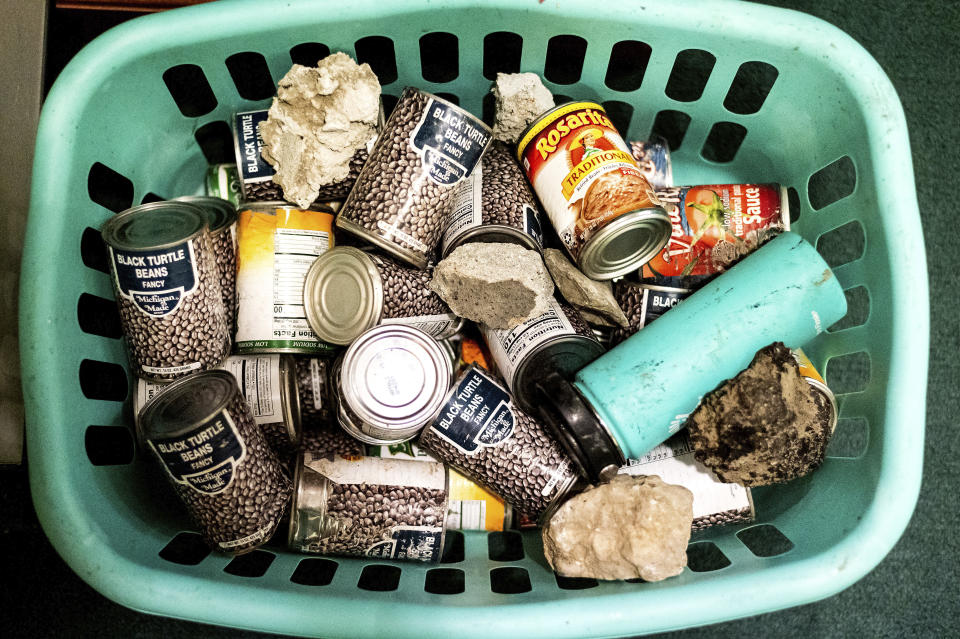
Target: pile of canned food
[(298, 376)]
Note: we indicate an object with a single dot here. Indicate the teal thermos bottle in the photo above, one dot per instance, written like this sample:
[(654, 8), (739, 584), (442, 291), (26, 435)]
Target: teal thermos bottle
[(635, 396)]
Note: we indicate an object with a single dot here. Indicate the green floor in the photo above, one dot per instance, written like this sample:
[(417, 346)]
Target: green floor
[(914, 591)]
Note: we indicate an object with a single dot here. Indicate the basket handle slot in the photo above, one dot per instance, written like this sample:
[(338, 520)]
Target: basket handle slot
[(216, 142), (108, 188), (671, 126), (627, 65), (190, 90), (379, 53), (688, 78), (832, 183), (501, 53), (98, 316), (444, 581), (765, 540), (564, 62), (251, 75), (750, 87), (439, 57), (314, 572), (108, 445), (308, 53)]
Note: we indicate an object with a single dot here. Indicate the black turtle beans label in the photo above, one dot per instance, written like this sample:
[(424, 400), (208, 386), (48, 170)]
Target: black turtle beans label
[(531, 223), (253, 168), (450, 140), (477, 413), (418, 543), (204, 459), (158, 280)]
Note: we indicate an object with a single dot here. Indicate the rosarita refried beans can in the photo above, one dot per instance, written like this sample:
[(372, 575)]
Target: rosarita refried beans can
[(600, 204)]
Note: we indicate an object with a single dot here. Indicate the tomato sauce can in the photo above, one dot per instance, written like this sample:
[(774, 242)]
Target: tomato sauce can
[(826, 401), (600, 204), (713, 226)]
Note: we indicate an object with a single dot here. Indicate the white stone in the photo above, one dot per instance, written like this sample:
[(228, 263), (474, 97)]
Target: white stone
[(520, 98)]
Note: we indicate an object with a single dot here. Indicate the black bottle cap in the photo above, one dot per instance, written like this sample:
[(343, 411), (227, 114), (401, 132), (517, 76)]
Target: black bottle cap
[(573, 423)]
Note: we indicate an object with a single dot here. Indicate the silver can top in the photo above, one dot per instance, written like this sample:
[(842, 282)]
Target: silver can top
[(221, 213), (395, 377), (188, 402), (625, 244), (342, 295), (154, 225)]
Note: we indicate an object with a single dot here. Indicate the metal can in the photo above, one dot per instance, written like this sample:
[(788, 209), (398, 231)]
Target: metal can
[(223, 237), (642, 303), (483, 435), (223, 181), (267, 382), (826, 401), (277, 244), (256, 174), (205, 437), (390, 383), (495, 204), (167, 286), (369, 507), (714, 225), (470, 506), (653, 158), (602, 207), (559, 340), (313, 385), (348, 291), (401, 201)]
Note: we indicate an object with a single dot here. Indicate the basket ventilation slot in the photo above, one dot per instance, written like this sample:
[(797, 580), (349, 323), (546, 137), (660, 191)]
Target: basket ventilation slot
[(575, 583), (750, 87), (253, 564), (671, 126), (704, 556), (689, 75), (444, 581), (559, 98), (843, 244), (723, 142), (848, 373), (98, 316), (850, 439), (504, 546), (620, 114), (793, 200), (92, 251), (858, 309), (453, 547), (449, 97), (378, 52), (564, 63), (501, 54), (309, 53), (439, 57), (765, 540), (216, 142), (489, 108), (103, 380), (108, 188), (108, 445), (186, 549), (832, 183), (379, 578), (627, 66), (509, 581), (251, 75), (389, 102), (190, 90), (314, 572), (151, 197)]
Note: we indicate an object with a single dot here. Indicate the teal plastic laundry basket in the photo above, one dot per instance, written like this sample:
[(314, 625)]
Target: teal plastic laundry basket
[(743, 92)]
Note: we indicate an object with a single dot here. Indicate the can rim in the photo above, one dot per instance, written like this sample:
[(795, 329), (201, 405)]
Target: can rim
[(500, 233), (221, 214), (831, 399), (417, 259), (362, 272), (259, 206), (290, 399), (173, 212), (656, 227), (227, 391), (535, 127)]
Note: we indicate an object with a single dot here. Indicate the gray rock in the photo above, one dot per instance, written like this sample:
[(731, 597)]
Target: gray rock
[(594, 299), (500, 285), (634, 526)]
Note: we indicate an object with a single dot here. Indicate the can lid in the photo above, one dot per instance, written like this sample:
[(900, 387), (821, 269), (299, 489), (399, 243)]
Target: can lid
[(220, 213), (395, 377), (564, 355), (290, 398), (577, 427), (626, 243), (342, 294), (154, 225), (188, 402)]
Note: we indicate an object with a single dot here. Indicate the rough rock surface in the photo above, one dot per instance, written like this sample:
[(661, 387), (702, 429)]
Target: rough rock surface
[(320, 118), (593, 297), (500, 285), (520, 98), (764, 426), (634, 526)]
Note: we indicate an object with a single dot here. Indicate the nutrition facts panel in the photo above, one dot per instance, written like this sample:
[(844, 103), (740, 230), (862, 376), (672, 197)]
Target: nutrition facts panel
[(294, 253)]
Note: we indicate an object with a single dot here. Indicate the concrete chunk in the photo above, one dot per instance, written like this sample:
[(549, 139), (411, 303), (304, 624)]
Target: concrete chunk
[(592, 298), (520, 98)]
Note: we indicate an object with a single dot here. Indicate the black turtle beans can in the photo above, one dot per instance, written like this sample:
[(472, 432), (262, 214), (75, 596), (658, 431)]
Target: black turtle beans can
[(482, 434), (558, 340), (167, 285), (369, 507), (495, 204), (402, 198), (348, 291), (390, 383), (642, 303), (223, 237), (204, 435)]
